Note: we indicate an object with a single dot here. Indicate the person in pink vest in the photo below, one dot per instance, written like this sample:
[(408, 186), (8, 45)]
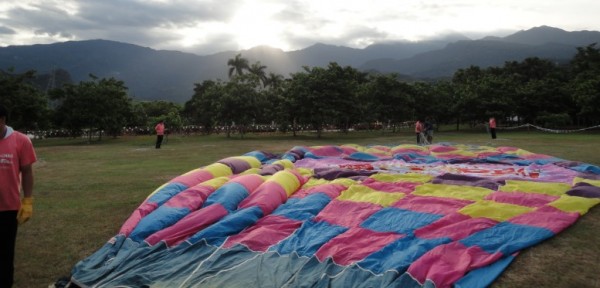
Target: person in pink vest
[(16, 159), (419, 131), (493, 127), (160, 133)]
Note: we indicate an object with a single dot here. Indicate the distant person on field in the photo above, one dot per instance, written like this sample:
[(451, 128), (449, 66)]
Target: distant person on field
[(419, 128), (493, 127), (160, 133), (16, 173), (428, 130)]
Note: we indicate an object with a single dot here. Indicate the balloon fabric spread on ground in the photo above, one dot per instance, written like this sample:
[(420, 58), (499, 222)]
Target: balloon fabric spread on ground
[(441, 215)]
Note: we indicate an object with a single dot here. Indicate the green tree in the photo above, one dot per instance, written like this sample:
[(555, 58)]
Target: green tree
[(139, 117), (297, 101), (201, 109), (538, 88), (495, 94), (326, 96), (95, 105), (163, 110), (273, 102), (28, 106), (443, 96), (388, 100), (343, 96), (483, 93), (237, 104), (274, 80), (467, 106), (585, 84)]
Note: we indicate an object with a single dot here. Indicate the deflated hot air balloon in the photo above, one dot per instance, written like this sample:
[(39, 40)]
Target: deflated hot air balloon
[(346, 216)]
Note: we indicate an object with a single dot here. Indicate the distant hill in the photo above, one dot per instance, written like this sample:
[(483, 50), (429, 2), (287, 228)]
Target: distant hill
[(462, 54), (170, 75), (148, 73), (544, 34), (543, 42)]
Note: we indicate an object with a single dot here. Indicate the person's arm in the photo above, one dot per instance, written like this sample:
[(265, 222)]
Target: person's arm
[(27, 180), (26, 210)]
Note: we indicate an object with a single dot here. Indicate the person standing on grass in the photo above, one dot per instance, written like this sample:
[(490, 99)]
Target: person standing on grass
[(493, 127), (419, 128), (160, 133), (428, 130), (16, 159)]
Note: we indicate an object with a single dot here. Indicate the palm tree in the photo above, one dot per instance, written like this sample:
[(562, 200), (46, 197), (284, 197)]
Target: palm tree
[(259, 70), (237, 64), (273, 80)]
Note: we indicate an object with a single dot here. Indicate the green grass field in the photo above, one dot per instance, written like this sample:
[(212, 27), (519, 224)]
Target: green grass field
[(84, 192)]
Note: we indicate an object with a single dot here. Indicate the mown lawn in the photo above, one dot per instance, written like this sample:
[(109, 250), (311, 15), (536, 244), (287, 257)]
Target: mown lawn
[(84, 192)]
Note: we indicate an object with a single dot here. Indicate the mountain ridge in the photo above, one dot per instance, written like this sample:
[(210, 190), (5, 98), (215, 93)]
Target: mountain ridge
[(170, 75)]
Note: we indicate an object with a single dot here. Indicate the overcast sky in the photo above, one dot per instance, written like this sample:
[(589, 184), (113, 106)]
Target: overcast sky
[(210, 26)]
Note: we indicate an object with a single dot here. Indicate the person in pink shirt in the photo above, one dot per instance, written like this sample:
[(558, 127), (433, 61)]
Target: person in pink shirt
[(419, 128), (493, 127), (16, 159), (160, 133)]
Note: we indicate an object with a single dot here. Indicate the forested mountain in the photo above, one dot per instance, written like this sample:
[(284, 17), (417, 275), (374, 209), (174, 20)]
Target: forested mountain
[(170, 75), (543, 42), (462, 54)]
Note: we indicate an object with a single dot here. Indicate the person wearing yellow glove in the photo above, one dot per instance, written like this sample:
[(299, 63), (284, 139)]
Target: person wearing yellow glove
[(16, 173), (26, 210)]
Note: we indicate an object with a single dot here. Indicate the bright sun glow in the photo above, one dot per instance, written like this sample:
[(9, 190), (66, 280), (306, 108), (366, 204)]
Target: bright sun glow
[(252, 26)]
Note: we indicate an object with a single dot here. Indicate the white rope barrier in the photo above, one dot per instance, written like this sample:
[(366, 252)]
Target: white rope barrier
[(514, 127), (549, 130)]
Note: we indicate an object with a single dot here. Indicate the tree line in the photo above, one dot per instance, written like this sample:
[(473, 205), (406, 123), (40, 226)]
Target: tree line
[(536, 91)]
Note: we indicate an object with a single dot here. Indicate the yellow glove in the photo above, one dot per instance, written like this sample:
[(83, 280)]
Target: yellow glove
[(26, 210)]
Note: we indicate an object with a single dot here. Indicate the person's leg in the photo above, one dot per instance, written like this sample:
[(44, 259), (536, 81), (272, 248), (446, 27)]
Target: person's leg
[(8, 224), (493, 133), (159, 139), (418, 139)]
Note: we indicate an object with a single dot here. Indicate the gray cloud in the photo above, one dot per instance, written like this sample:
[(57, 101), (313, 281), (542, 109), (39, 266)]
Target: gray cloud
[(364, 35), (294, 12), (300, 23), (120, 20), (6, 30), (151, 14), (355, 36), (46, 21), (50, 33)]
